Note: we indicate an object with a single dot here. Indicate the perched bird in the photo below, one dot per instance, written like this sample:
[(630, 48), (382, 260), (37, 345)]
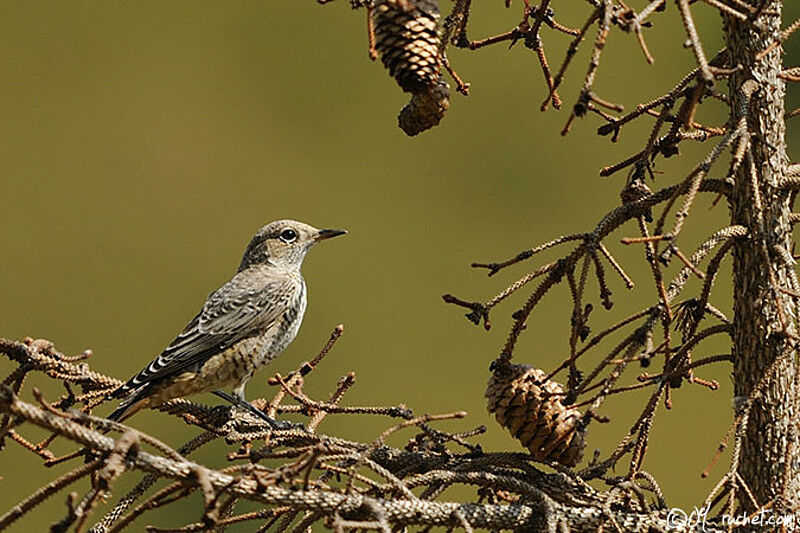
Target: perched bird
[(243, 325)]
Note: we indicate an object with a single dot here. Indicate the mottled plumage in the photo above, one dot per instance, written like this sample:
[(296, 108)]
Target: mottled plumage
[(243, 325)]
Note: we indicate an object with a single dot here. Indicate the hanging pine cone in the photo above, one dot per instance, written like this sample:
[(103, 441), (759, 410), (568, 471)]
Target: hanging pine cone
[(529, 406), (407, 37)]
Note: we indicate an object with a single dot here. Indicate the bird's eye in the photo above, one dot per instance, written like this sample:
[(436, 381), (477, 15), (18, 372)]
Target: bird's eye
[(288, 236)]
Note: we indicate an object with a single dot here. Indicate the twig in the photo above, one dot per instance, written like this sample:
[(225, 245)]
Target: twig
[(694, 39)]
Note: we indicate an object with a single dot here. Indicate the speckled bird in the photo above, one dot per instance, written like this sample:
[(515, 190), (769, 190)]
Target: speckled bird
[(243, 325)]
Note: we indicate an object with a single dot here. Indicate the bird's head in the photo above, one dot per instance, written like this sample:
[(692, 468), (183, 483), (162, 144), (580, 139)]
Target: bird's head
[(284, 243)]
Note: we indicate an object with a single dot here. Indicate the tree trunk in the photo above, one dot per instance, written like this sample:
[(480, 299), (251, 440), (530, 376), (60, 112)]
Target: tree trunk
[(764, 317)]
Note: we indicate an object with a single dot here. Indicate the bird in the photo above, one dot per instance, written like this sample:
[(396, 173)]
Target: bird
[(242, 326)]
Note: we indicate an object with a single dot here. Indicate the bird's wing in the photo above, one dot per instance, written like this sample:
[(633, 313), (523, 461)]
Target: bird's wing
[(234, 312)]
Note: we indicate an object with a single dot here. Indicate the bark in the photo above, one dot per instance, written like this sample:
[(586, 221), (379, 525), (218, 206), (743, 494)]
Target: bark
[(764, 317)]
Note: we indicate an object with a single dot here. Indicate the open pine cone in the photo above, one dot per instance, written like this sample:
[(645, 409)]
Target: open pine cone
[(407, 37), (529, 405)]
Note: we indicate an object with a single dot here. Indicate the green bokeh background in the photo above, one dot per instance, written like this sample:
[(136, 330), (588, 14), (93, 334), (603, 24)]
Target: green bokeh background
[(142, 143)]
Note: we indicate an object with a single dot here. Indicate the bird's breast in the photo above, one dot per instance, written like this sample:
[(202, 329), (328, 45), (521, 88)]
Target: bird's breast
[(281, 333)]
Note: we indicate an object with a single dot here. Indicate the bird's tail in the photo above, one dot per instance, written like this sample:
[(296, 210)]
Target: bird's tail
[(135, 400)]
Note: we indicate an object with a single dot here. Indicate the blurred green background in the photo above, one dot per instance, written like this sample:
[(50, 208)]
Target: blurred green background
[(142, 143)]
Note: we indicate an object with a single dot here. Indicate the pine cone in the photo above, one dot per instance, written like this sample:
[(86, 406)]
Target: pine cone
[(407, 37), (529, 406)]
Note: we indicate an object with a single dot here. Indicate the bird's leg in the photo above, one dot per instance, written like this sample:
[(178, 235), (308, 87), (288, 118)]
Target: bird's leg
[(244, 404), (238, 400), (238, 390)]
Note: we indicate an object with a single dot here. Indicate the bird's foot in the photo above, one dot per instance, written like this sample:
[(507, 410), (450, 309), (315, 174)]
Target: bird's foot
[(255, 411), (289, 425)]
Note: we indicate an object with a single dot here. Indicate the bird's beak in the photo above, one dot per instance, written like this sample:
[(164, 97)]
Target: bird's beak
[(329, 233)]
